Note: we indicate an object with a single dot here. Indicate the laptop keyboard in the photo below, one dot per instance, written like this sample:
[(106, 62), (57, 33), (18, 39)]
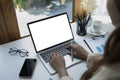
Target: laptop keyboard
[(62, 50)]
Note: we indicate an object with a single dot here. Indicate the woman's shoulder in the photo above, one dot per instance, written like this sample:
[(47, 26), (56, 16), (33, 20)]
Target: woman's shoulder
[(108, 72)]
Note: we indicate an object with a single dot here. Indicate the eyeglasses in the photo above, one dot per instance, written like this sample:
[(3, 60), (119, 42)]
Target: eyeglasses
[(22, 52)]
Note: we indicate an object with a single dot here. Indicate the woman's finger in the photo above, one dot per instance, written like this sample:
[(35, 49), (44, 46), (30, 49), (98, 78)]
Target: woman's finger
[(52, 55), (57, 54)]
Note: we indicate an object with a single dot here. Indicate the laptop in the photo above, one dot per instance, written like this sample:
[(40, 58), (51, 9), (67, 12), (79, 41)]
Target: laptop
[(52, 34)]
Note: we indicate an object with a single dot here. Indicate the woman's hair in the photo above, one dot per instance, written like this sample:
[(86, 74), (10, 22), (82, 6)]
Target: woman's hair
[(117, 3), (112, 48)]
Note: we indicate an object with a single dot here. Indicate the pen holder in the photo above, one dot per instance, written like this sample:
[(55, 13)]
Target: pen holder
[(82, 22), (81, 29)]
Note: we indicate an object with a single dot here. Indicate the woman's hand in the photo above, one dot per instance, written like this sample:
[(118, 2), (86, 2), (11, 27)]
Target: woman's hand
[(58, 63), (78, 51)]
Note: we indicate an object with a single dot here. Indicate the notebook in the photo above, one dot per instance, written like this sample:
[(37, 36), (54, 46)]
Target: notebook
[(52, 34)]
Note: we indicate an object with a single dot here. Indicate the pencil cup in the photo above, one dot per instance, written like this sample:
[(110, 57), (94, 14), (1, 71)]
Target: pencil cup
[(82, 21), (81, 29)]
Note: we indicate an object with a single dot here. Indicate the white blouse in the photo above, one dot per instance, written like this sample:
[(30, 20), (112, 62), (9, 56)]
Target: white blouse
[(106, 72)]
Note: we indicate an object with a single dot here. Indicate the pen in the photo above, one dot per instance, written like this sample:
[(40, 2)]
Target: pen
[(71, 54), (88, 45)]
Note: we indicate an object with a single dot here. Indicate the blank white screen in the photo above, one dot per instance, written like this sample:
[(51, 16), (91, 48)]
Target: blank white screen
[(49, 32)]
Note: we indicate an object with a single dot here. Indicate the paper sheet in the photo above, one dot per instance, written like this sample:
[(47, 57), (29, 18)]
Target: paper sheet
[(96, 44)]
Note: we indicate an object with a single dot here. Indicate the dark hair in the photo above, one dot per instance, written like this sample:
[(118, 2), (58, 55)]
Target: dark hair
[(112, 48), (117, 2), (113, 44)]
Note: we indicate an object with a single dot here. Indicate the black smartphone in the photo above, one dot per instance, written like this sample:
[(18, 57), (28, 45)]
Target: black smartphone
[(28, 68)]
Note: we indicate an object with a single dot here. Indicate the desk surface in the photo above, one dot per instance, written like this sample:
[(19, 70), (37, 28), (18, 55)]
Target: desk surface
[(10, 66)]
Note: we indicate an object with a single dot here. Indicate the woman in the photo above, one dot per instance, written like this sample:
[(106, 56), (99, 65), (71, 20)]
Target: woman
[(99, 66)]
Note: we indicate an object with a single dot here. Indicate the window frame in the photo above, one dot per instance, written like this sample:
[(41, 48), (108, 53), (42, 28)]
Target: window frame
[(9, 30)]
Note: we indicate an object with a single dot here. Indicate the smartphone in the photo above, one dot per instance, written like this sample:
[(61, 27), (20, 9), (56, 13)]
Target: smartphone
[(28, 68)]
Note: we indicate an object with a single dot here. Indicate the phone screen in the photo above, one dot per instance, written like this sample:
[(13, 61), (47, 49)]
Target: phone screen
[(28, 68)]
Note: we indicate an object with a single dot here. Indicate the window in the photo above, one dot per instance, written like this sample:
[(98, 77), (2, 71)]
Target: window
[(101, 7), (8, 23), (31, 10)]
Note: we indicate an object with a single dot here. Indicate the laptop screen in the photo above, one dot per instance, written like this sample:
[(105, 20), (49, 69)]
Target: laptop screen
[(50, 31)]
